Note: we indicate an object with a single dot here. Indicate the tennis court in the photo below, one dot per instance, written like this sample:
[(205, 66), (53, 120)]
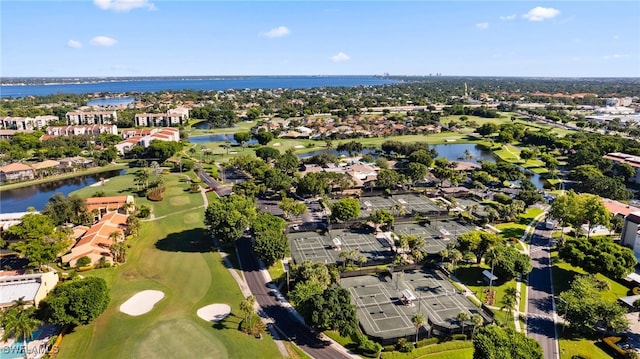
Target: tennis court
[(436, 235), (326, 248), (386, 305), (400, 204)]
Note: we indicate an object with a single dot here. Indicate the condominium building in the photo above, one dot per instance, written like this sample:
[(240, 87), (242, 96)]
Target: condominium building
[(173, 117), (91, 117), (82, 130), (26, 123)]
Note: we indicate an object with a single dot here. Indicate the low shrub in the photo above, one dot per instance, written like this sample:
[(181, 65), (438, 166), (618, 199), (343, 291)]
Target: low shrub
[(426, 342), (459, 337)]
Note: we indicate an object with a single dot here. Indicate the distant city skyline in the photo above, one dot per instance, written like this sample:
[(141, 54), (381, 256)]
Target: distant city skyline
[(111, 38)]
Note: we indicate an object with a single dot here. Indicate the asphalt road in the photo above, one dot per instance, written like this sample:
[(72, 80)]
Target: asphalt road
[(282, 316), (540, 317)]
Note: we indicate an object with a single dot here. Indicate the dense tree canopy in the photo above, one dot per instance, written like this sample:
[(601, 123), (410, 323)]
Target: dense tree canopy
[(494, 342), (330, 310), (228, 217), (271, 245), (478, 243), (345, 209), (599, 255), (508, 262), (585, 308), (76, 302)]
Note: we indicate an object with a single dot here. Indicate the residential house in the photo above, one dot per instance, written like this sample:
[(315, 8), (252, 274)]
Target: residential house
[(104, 205), (31, 288), (91, 117), (46, 168), (96, 242), (16, 172), (73, 163)]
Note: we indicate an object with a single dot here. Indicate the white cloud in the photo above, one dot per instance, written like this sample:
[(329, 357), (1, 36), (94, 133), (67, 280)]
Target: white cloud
[(508, 17), (339, 57), (482, 25), (75, 44), (540, 13), (103, 41), (124, 5), (279, 31), (613, 57)]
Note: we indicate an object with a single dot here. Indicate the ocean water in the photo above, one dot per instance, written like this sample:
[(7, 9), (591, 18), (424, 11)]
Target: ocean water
[(216, 84)]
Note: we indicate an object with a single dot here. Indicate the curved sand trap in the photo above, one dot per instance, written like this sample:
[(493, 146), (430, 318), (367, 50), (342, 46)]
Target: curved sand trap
[(141, 302), (214, 312)]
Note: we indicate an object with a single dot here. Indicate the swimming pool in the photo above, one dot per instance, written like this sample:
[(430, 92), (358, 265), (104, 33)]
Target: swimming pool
[(16, 350)]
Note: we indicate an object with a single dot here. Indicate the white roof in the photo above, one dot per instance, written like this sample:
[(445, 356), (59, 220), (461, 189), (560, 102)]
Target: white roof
[(633, 277), (12, 291), (489, 276), (408, 295)]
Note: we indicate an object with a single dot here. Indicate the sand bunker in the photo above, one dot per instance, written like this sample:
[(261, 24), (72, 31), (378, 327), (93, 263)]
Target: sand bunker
[(141, 302), (214, 312)]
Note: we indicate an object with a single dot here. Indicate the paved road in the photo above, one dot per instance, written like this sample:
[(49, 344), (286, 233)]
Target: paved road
[(540, 317), (282, 316)]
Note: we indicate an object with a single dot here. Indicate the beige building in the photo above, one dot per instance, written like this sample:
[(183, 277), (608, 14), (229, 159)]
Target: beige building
[(32, 288), (174, 117), (16, 172), (92, 117), (26, 123)]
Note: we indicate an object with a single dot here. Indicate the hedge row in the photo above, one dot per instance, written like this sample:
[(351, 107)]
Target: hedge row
[(432, 349)]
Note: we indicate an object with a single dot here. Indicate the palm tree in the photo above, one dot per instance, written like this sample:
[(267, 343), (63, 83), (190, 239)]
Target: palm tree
[(455, 256), (444, 253), (476, 320), (247, 308), (418, 321), (251, 300), (118, 249), (463, 317), (133, 225), (508, 301), (20, 324)]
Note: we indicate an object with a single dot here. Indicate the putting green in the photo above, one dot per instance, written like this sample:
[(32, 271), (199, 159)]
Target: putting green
[(167, 340)]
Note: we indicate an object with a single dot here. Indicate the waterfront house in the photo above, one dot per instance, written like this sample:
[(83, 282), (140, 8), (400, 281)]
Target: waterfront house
[(16, 172), (73, 163), (81, 130), (46, 168)]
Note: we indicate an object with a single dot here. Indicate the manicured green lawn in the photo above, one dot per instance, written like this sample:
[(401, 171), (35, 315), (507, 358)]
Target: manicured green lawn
[(452, 354), (564, 273), (511, 229), (531, 213), (276, 271), (176, 195), (471, 276), (584, 347), (174, 256)]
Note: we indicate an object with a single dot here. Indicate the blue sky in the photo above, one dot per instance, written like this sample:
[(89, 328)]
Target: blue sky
[(167, 38)]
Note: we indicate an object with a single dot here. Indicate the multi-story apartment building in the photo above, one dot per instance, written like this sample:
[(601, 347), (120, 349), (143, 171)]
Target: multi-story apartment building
[(92, 117), (81, 130), (26, 123), (173, 117)]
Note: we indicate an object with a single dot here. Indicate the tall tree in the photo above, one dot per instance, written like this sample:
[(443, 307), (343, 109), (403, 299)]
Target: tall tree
[(330, 310), (76, 302), (478, 242), (345, 209), (228, 217), (271, 245), (418, 321)]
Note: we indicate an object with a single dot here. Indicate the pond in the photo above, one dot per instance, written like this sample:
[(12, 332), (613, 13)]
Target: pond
[(204, 125), (225, 137), (37, 196), (468, 152)]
